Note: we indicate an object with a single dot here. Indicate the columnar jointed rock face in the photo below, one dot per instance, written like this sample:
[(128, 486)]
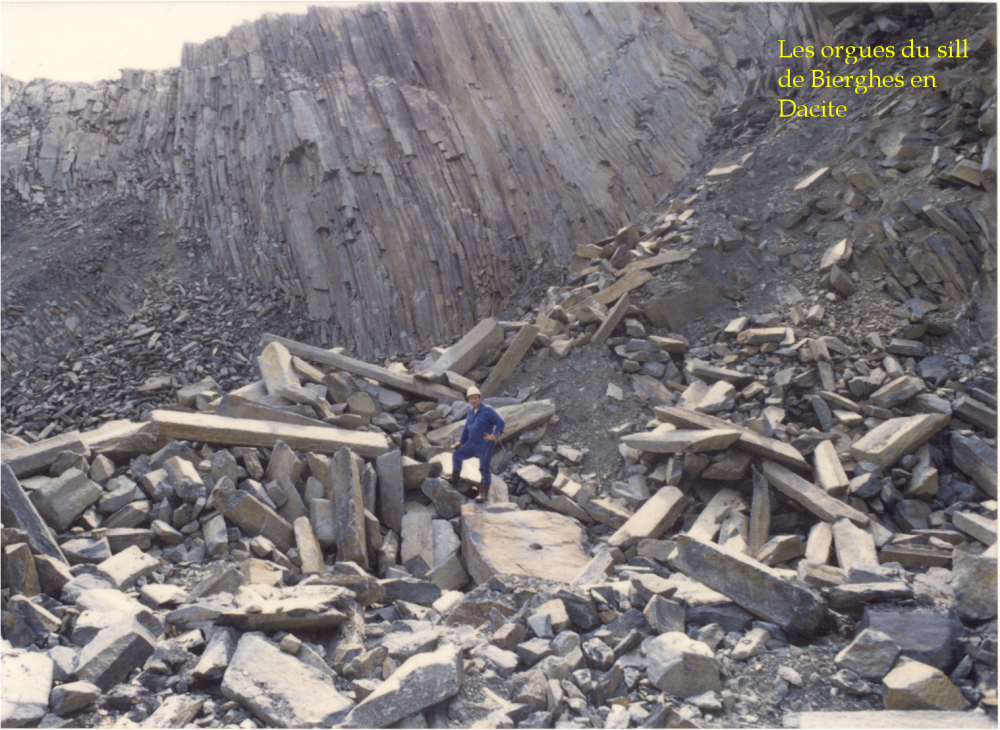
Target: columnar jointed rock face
[(400, 167)]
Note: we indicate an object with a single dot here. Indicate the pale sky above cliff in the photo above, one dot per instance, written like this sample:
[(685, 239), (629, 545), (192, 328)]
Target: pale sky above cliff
[(91, 41)]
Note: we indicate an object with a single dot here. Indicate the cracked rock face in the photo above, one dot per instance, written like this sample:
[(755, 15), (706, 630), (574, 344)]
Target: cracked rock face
[(388, 191)]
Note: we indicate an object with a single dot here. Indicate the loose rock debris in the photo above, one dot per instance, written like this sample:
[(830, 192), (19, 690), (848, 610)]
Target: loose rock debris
[(804, 503), (341, 555)]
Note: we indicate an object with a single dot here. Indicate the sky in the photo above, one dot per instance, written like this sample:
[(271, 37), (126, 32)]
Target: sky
[(92, 41)]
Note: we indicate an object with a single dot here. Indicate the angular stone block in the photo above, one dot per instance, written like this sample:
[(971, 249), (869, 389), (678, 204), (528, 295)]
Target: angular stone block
[(681, 666), (109, 658), (279, 689)]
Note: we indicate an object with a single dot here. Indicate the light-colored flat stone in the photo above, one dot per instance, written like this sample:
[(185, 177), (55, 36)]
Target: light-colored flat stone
[(814, 499), (463, 355), (124, 569), (658, 514), (749, 440), (421, 681), (27, 682), (855, 547), (681, 666), (244, 432), (501, 540), (981, 528), (279, 689), (887, 443), (680, 441), (916, 686), (39, 456), (829, 472)]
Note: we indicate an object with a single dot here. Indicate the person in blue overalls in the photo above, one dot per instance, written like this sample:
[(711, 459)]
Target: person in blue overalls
[(483, 427)]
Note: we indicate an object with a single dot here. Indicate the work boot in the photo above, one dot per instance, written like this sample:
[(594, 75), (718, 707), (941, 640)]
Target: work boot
[(453, 479), (482, 492)]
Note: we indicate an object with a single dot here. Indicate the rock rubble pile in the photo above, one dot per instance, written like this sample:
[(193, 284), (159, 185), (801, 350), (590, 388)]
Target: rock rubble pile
[(798, 525)]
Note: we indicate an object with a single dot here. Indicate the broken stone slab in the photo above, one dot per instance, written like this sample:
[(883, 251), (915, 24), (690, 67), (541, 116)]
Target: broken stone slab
[(464, 354), (124, 569), (979, 527), (417, 543), (280, 378), (502, 540), (888, 720), (977, 459), (394, 380), (890, 441), (871, 654), (681, 666), (710, 373), (175, 711), (681, 441), (671, 256), (252, 516), (112, 655), (235, 406), (925, 635), (597, 570), (810, 180), (916, 686), (759, 589), (343, 484), (855, 547), (243, 432), (975, 412), (391, 486), (308, 546), (613, 318), (39, 456), (17, 510), (20, 571), (749, 440), (830, 474), (728, 172), (279, 689), (64, 498), (73, 696), (897, 391), (511, 358), (915, 556), (628, 282), (814, 499), (974, 580), (123, 439), (760, 515), (27, 683), (839, 254), (517, 418), (312, 606), (421, 681), (855, 595), (188, 484), (709, 520), (656, 516)]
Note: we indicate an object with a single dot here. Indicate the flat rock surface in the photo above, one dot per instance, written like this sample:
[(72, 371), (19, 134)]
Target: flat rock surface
[(279, 689)]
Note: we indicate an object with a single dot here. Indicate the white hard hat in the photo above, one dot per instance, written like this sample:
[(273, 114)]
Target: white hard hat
[(473, 391)]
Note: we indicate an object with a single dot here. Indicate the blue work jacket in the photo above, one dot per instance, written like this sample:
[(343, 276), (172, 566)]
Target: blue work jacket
[(479, 424)]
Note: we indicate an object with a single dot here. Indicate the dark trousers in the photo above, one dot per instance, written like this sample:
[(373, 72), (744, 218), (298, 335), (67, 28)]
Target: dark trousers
[(482, 451)]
